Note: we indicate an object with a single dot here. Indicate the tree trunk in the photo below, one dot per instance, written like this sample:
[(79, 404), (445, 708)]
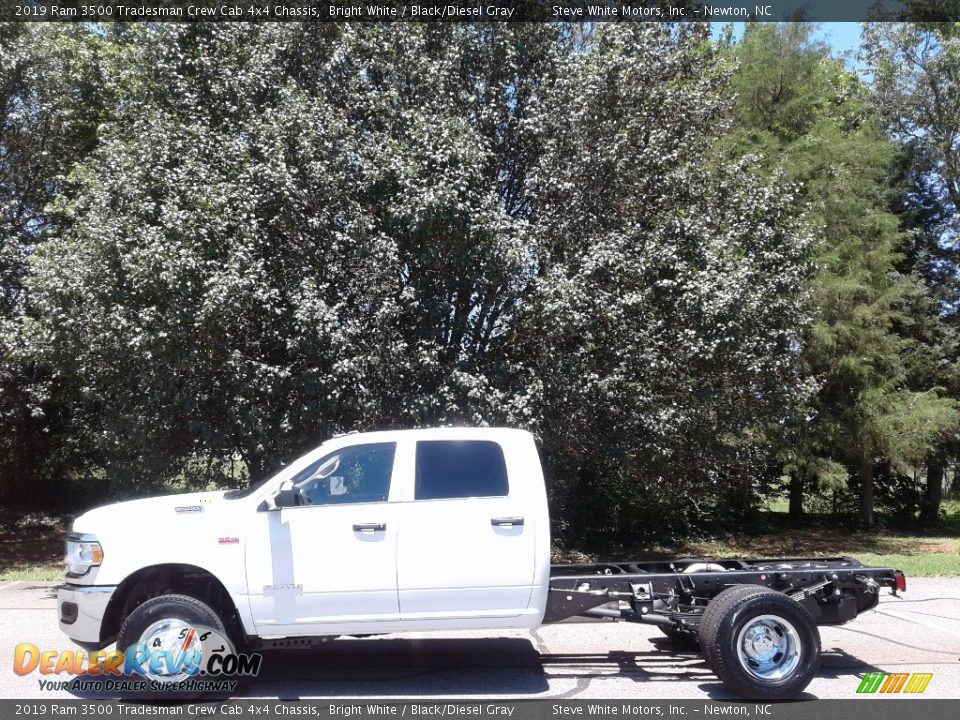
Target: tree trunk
[(866, 488), (256, 462), (796, 496), (934, 494)]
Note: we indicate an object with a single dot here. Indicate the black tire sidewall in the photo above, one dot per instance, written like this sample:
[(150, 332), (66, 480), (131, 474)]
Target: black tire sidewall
[(798, 617)]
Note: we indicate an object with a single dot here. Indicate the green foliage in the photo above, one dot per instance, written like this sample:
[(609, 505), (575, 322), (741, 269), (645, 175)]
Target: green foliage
[(669, 296), (673, 259), (51, 101), (444, 224), (813, 119), (918, 98), (309, 241)]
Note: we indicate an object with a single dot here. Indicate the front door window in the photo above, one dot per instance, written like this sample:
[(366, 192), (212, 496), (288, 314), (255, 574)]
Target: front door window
[(356, 474)]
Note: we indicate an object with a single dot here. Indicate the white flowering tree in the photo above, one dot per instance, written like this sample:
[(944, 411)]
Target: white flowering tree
[(287, 231), (665, 318), (294, 230), (51, 100)]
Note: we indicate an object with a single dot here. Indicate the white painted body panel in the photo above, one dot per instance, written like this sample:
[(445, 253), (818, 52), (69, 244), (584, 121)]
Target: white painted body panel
[(142, 533), (453, 563), (304, 571), (307, 569)]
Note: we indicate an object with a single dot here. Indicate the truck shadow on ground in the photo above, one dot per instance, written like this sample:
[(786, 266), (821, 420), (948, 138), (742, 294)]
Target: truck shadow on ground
[(390, 667), (472, 667), (838, 664), (385, 668), (835, 664), (478, 667), (495, 667), (44, 592)]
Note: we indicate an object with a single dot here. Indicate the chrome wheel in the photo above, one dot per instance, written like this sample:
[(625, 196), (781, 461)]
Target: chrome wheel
[(174, 646), (768, 648)]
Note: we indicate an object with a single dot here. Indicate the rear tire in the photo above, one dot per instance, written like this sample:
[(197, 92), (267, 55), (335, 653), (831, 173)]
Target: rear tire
[(760, 643)]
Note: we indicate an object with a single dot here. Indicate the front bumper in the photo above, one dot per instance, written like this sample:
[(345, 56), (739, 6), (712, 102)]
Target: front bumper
[(81, 609)]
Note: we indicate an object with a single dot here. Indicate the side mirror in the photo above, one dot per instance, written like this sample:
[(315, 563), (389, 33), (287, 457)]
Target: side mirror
[(286, 497)]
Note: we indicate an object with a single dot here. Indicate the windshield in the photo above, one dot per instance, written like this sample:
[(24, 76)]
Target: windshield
[(250, 489), (244, 492)]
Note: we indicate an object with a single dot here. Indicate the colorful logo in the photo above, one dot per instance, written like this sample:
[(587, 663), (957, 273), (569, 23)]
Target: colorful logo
[(171, 654), (881, 682), (171, 650)]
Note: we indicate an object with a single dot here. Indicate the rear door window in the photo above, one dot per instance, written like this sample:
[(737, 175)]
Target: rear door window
[(460, 469)]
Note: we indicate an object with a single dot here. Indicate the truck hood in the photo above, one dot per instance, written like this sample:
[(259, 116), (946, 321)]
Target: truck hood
[(157, 511)]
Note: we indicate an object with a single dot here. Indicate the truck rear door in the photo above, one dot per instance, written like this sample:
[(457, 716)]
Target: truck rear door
[(466, 547)]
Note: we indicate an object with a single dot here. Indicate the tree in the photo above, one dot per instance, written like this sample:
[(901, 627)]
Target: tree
[(918, 95), (51, 101), (292, 231), (812, 119), (668, 295), (918, 92)]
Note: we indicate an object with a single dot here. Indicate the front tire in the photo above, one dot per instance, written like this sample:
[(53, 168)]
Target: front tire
[(172, 608), (762, 644)]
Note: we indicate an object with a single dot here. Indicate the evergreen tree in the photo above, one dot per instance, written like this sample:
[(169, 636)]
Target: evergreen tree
[(917, 93), (813, 121)]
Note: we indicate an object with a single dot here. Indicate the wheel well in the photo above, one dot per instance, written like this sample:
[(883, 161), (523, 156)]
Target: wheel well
[(155, 580)]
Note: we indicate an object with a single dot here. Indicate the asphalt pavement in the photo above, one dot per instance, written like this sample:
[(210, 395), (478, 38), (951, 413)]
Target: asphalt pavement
[(919, 632)]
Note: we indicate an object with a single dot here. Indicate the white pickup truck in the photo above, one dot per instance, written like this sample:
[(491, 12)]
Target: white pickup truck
[(436, 529)]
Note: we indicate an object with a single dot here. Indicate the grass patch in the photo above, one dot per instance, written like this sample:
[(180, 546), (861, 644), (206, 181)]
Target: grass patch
[(917, 555), (31, 548), (47, 572), (941, 565)]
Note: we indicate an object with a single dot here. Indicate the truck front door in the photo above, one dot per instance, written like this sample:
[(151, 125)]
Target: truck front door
[(329, 565)]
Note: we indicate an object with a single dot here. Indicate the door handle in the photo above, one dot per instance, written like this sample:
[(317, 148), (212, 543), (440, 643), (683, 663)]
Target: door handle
[(368, 527), (506, 521)]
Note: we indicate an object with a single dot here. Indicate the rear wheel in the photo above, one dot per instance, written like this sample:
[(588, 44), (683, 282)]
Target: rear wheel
[(761, 643)]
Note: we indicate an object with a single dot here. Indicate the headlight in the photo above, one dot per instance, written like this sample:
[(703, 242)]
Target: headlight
[(83, 553)]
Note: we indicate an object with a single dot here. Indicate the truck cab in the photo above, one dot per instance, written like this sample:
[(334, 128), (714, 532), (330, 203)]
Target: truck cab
[(369, 533)]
